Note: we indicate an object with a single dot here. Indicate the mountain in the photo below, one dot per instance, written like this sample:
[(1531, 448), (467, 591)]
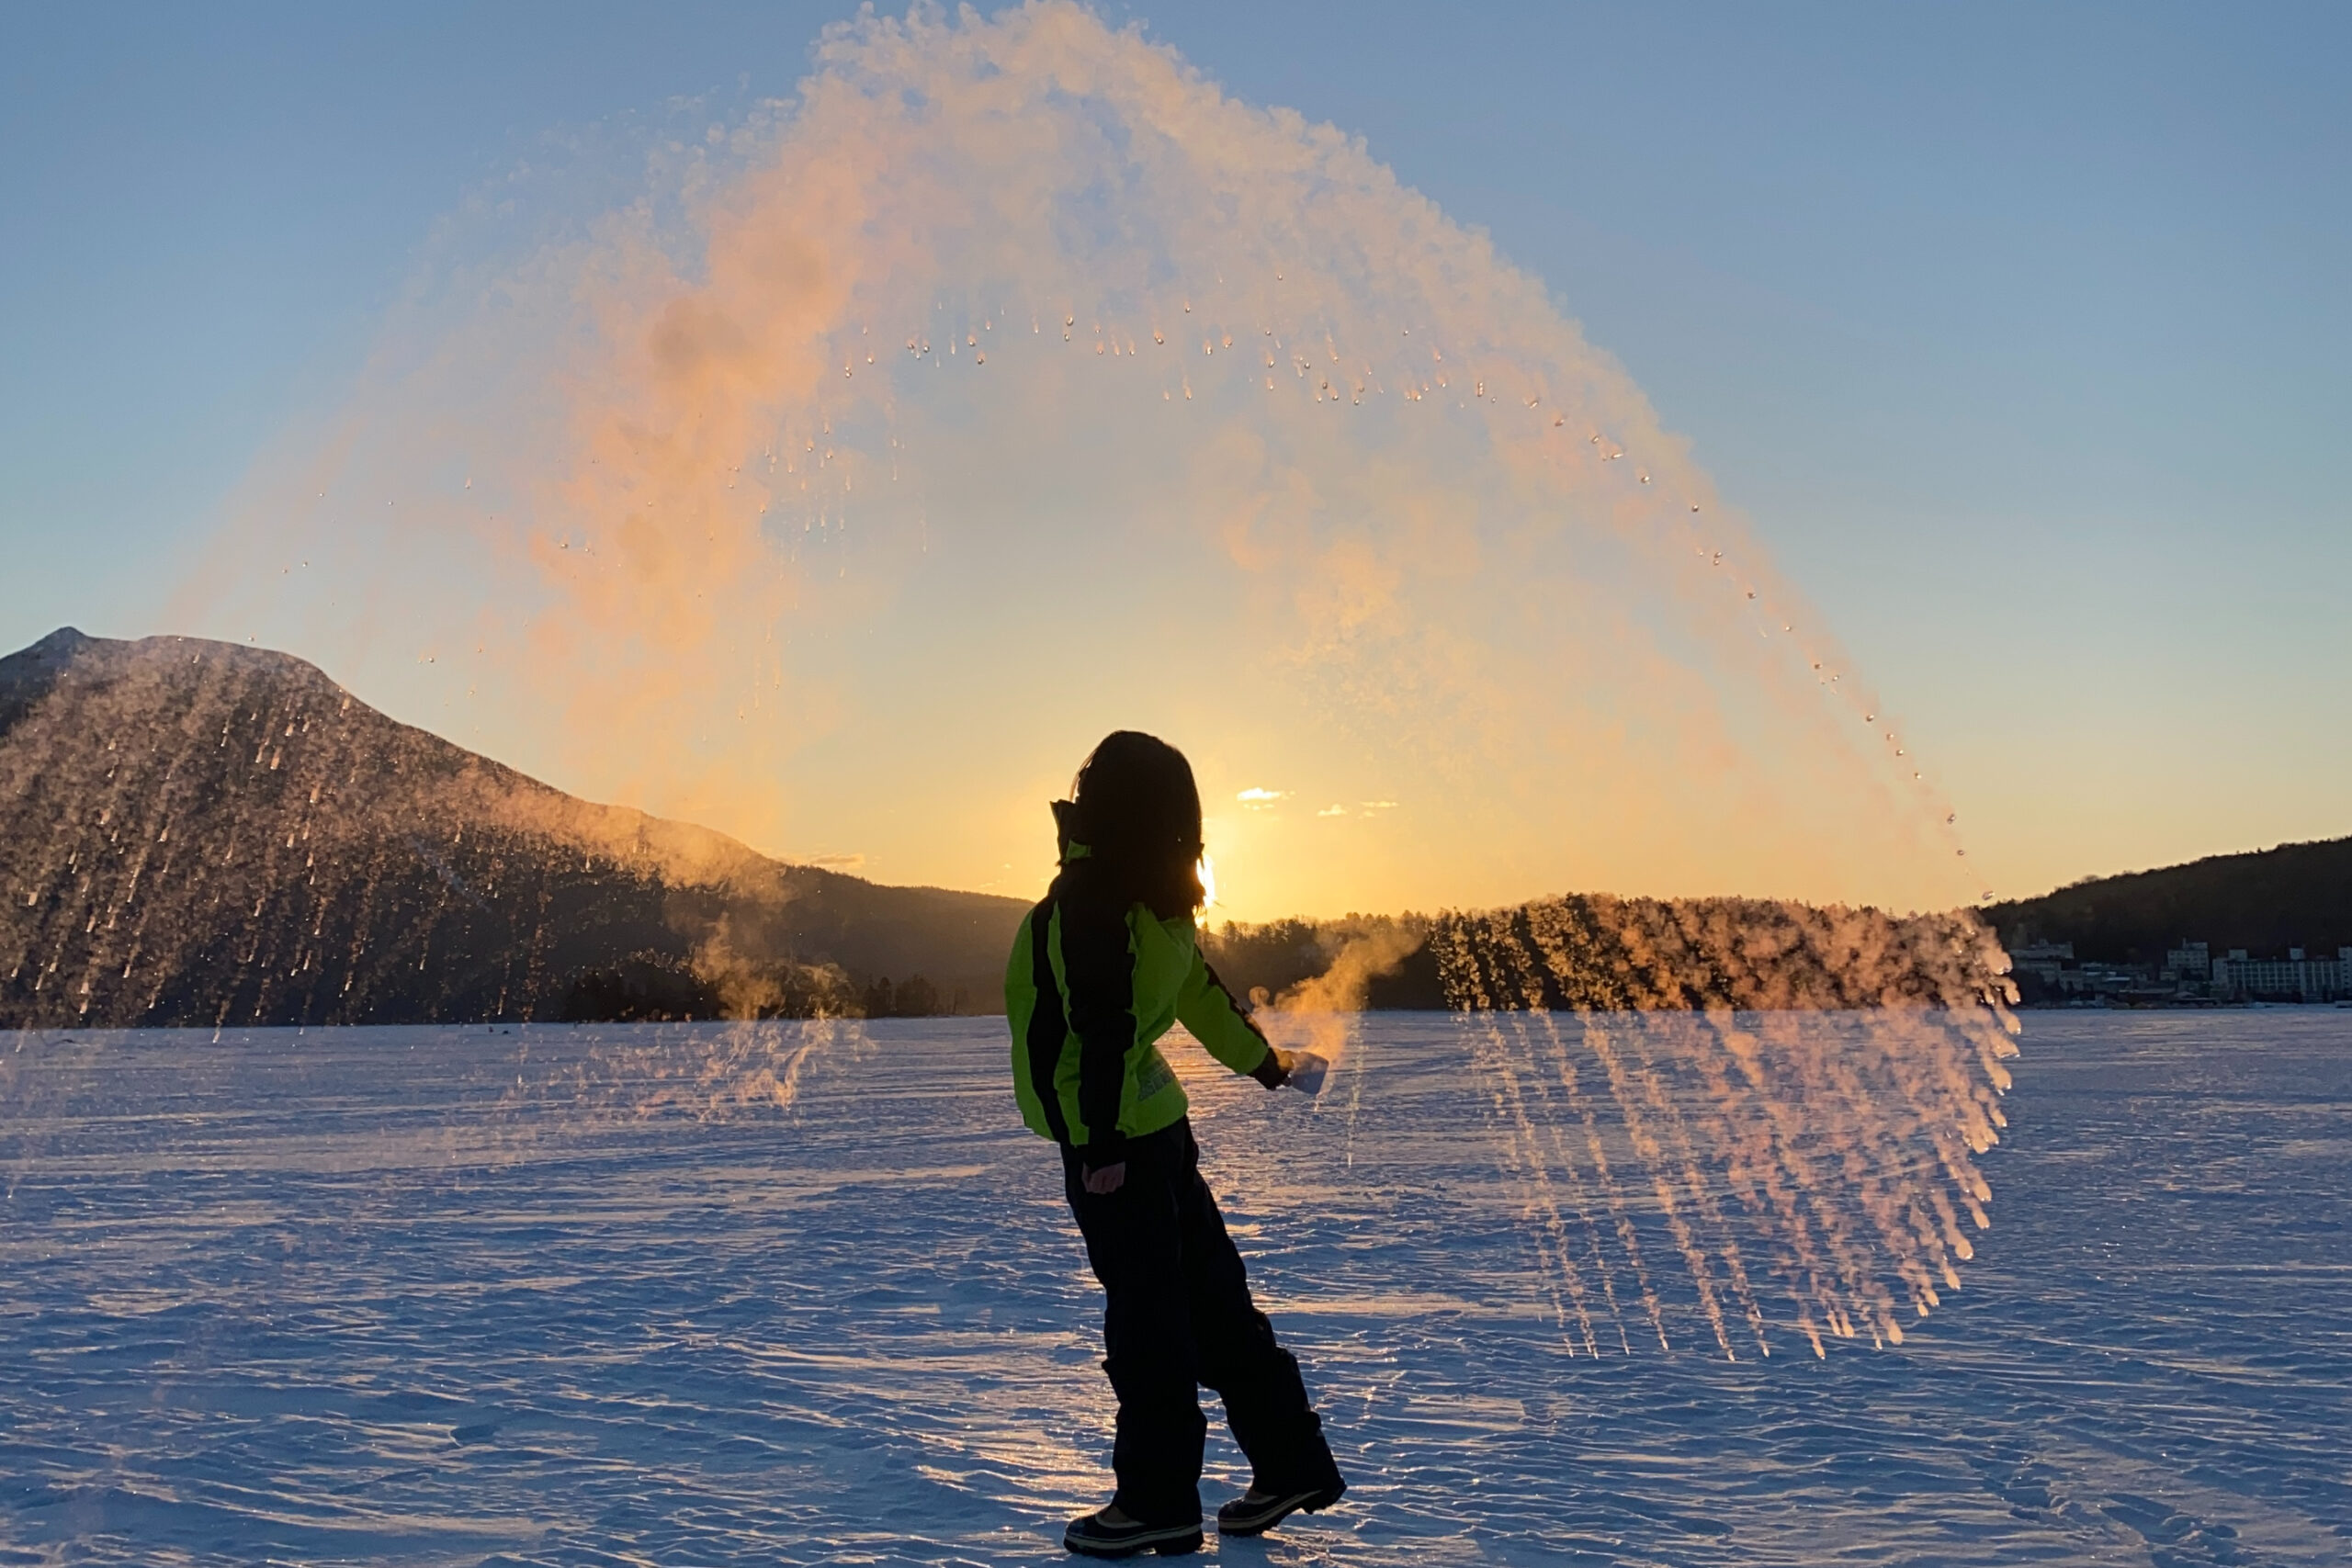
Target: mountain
[(193, 832), (2295, 895)]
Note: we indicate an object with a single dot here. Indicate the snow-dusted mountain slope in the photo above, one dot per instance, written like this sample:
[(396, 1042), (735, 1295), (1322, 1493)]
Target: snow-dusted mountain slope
[(193, 832), (804, 1294)]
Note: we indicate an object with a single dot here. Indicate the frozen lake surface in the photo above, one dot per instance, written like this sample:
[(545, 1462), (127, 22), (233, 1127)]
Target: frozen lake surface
[(806, 1293)]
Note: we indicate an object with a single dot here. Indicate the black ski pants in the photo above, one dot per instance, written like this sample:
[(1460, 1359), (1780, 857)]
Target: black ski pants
[(1179, 1315)]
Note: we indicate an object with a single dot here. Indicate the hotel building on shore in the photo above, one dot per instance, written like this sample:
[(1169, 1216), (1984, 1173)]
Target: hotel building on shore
[(2296, 977), (2190, 974)]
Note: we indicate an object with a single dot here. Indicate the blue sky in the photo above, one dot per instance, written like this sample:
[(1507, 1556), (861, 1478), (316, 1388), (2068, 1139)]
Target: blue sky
[(2021, 331)]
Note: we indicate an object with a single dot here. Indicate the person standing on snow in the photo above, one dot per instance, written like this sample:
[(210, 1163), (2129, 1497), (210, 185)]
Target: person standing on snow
[(1100, 970)]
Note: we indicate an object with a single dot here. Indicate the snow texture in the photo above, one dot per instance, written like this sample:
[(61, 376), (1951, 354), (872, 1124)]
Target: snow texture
[(807, 1293)]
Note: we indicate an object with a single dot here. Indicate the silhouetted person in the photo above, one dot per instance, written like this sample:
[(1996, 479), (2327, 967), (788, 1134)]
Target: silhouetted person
[(1100, 970)]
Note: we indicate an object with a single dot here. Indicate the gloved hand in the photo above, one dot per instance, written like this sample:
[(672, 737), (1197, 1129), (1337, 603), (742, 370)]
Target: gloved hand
[(1274, 1071)]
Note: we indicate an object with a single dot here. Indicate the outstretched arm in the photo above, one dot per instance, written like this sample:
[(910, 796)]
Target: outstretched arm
[(1221, 1022)]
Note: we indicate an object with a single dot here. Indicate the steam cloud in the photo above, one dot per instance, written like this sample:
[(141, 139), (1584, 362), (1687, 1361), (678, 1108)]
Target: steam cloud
[(1012, 383)]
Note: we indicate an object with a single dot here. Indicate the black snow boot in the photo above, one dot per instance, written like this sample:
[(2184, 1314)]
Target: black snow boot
[(1090, 1537), (1255, 1511)]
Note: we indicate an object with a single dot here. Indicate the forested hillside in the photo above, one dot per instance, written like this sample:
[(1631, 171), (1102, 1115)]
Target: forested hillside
[(2294, 895)]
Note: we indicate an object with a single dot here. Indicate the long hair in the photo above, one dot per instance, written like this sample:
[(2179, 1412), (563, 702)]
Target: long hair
[(1136, 809)]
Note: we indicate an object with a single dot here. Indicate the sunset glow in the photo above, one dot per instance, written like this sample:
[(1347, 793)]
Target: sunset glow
[(1015, 384)]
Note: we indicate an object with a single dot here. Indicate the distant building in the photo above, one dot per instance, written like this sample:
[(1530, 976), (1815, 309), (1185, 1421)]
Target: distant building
[(2094, 980), (2297, 977), (2191, 975), (2042, 960)]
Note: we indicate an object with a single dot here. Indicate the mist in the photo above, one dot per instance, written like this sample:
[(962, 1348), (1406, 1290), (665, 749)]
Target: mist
[(836, 475)]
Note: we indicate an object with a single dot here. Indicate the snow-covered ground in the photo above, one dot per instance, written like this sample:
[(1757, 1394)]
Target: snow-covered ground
[(805, 1293)]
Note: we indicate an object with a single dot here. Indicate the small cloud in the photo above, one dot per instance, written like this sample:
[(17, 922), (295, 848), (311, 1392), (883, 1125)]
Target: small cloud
[(1333, 811), (1378, 805), (837, 863), (1258, 799)]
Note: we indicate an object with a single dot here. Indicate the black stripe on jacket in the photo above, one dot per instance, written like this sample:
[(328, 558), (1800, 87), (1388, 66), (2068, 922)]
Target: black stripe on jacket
[(1099, 966), (1047, 1025)]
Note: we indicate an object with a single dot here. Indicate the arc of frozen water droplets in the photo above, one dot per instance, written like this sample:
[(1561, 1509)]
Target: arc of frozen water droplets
[(1654, 1157), (1464, 973), (1525, 987), (1643, 1072), (1830, 1133), (1530, 988), (1525, 1160), (1564, 1151), (1662, 1187), (1579, 1107), (1549, 935), (1856, 1292), (1763, 1190)]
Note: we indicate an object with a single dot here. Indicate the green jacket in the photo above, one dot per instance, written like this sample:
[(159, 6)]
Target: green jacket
[(1088, 990)]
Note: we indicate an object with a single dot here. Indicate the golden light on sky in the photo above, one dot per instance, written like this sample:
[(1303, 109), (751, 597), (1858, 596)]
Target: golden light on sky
[(839, 487)]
